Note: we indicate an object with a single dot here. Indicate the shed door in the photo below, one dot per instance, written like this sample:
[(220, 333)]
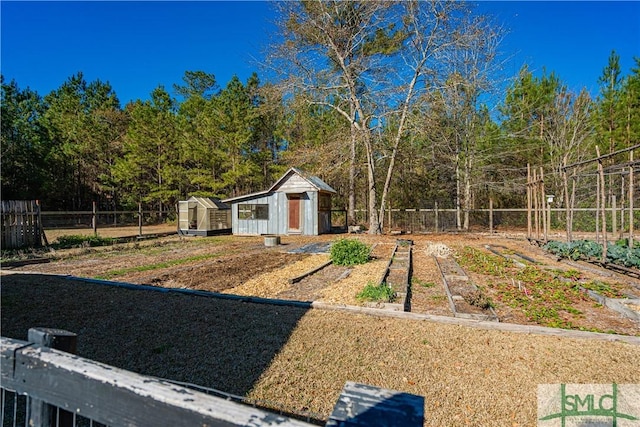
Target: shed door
[(294, 212)]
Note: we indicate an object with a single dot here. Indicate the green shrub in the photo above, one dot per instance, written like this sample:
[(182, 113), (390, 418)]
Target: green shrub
[(74, 241), (349, 252), (381, 293)]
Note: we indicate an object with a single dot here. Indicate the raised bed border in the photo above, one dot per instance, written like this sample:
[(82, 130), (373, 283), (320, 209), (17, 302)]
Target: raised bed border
[(405, 297), (493, 317), (310, 272)]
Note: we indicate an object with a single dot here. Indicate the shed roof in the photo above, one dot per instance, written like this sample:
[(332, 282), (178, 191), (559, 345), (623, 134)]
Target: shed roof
[(311, 179), (316, 182), (209, 202)]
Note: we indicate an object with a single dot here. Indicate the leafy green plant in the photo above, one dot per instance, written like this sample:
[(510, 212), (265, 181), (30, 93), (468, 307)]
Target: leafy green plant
[(604, 289), (350, 252), (625, 243), (544, 297), (76, 241), (484, 263), (585, 249), (377, 293), (569, 274)]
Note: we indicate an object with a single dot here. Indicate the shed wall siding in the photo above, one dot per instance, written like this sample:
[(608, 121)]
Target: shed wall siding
[(282, 210), (310, 214), (278, 222), (256, 226)]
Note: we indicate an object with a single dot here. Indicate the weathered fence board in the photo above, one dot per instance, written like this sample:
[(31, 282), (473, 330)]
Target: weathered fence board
[(21, 225), (117, 397)]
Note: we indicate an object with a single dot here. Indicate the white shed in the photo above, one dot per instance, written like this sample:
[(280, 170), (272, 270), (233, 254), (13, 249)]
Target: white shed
[(298, 203), (203, 216)]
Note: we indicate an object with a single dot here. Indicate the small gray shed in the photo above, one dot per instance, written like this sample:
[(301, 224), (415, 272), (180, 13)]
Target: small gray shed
[(203, 216), (298, 203)]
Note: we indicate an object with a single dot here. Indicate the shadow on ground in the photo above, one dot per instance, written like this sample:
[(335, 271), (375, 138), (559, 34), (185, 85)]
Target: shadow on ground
[(211, 342)]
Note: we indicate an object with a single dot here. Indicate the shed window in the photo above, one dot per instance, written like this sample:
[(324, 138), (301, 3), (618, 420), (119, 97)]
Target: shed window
[(247, 211)]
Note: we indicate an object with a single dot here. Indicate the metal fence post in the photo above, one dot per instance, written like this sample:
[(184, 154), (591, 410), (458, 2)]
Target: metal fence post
[(42, 414)]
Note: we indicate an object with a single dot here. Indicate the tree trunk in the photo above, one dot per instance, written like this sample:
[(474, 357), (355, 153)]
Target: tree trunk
[(396, 143), (351, 207), (458, 190), (374, 221), (467, 191)]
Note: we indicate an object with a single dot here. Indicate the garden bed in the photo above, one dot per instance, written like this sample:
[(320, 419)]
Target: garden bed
[(244, 266)]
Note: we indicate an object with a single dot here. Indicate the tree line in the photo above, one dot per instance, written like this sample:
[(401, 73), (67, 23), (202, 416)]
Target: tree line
[(393, 104)]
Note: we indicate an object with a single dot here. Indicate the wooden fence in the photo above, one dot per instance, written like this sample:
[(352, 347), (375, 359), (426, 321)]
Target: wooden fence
[(66, 390), (21, 224)]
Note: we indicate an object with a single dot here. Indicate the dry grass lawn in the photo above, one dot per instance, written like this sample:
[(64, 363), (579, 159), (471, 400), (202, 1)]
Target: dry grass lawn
[(467, 376)]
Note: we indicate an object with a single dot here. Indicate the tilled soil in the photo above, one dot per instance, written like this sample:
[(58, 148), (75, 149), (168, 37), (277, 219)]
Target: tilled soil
[(219, 274)]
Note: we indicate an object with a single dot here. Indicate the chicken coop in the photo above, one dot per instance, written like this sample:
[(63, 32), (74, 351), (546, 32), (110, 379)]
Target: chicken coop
[(203, 216)]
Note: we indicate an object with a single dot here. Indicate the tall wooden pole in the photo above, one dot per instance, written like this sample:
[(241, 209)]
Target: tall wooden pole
[(543, 201), (573, 199), (436, 215), (139, 219), (528, 201), (614, 216), (598, 209), (603, 210), (631, 200), (536, 217), (548, 217), (623, 213), (567, 206)]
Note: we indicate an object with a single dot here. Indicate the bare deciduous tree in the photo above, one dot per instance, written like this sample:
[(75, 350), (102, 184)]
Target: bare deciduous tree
[(371, 61)]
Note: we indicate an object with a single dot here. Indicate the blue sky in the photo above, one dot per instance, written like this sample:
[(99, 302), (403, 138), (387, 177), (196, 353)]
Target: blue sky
[(136, 46)]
